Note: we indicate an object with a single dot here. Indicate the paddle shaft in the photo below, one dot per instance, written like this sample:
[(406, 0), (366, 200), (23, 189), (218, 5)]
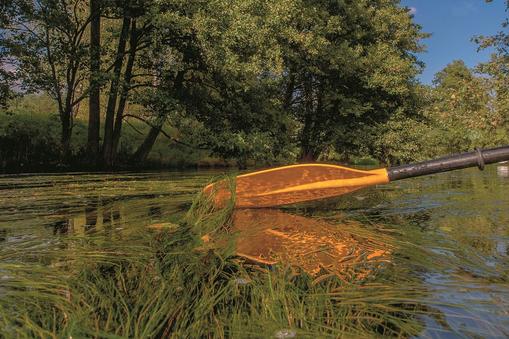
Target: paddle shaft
[(477, 158)]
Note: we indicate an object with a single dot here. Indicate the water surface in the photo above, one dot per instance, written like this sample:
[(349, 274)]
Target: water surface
[(450, 231)]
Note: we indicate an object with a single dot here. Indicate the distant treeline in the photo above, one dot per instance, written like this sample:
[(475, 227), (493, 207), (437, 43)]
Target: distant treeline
[(30, 142), (239, 81)]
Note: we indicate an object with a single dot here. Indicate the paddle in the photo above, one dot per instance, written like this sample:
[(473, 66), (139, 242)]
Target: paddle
[(305, 182)]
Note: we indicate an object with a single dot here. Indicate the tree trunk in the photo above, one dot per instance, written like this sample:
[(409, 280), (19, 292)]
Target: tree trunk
[(133, 43), (94, 110), (313, 139), (307, 149), (143, 151), (290, 88), (307, 155), (306, 136), (112, 98), (65, 139)]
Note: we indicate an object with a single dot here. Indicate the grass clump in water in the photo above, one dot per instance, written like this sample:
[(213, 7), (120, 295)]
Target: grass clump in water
[(172, 283)]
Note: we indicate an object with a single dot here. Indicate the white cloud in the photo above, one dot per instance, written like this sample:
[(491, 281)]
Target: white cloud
[(412, 10)]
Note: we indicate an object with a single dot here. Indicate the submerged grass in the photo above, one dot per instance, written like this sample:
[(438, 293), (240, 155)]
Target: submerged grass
[(170, 283)]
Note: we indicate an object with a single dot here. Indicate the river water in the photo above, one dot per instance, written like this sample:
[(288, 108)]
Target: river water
[(452, 229)]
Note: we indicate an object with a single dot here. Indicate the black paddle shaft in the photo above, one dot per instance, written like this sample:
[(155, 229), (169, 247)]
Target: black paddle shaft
[(477, 158)]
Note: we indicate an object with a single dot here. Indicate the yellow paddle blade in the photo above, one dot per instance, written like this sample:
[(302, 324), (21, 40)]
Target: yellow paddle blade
[(295, 183)]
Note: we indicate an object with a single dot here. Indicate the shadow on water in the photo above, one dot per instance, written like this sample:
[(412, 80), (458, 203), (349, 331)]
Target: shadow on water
[(444, 239)]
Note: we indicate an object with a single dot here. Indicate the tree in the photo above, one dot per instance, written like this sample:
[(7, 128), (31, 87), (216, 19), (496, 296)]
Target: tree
[(408, 136), (46, 39), (215, 64), (5, 86), (128, 73), (460, 108), (349, 64), (94, 107), (497, 70), (456, 114), (6, 76), (252, 77)]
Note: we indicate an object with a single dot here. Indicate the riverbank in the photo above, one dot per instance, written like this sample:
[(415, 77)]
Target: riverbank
[(29, 142)]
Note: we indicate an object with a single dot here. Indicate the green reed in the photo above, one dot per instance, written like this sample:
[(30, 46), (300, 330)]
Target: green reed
[(170, 283)]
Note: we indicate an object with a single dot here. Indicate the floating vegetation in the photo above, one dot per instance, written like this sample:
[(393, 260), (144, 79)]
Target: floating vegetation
[(170, 282), (152, 267)]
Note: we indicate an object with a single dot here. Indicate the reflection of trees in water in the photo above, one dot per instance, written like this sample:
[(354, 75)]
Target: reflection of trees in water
[(478, 235), (116, 214), (466, 209), (474, 218), (91, 210), (60, 227), (456, 182), (154, 212), (109, 215)]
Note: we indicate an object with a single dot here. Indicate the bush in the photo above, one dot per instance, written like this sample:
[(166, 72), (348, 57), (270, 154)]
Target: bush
[(30, 141)]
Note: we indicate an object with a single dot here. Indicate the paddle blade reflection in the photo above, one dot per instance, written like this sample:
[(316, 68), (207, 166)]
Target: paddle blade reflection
[(272, 236)]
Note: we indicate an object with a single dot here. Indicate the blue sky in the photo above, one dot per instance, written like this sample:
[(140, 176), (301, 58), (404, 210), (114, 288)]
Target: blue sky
[(453, 23)]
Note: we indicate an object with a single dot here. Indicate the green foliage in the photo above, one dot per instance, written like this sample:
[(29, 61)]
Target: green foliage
[(6, 75), (27, 141), (497, 70), (6, 92), (460, 107), (219, 79), (347, 68), (45, 41), (467, 109), (403, 140), (256, 81), (259, 147), (460, 112), (29, 135)]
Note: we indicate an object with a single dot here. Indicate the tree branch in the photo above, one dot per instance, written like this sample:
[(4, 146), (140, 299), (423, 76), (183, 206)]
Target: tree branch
[(134, 128), (163, 132)]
